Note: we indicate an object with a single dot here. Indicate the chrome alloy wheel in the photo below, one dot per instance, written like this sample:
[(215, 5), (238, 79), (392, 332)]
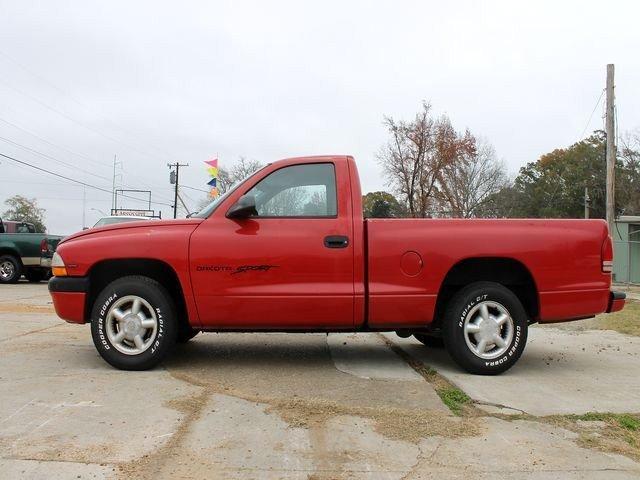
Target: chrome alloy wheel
[(131, 325), (488, 330), (7, 270)]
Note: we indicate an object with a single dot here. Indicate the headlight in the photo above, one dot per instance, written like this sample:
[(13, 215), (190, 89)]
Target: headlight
[(58, 267)]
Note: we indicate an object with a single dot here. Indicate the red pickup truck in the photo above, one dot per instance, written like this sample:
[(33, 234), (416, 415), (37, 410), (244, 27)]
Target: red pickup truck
[(288, 250)]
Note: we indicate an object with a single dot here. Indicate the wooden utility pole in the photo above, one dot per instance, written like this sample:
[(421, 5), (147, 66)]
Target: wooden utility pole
[(586, 202), (177, 180), (611, 148)]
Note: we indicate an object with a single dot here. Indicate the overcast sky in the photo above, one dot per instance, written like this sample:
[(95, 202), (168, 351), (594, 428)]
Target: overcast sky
[(157, 82)]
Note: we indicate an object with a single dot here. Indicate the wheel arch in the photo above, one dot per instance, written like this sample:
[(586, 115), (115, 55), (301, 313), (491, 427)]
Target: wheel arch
[(509, 272), (10, 251), (106, 271)]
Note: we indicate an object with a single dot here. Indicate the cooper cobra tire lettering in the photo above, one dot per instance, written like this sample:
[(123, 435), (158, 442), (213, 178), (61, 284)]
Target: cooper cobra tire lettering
[(103, 311)]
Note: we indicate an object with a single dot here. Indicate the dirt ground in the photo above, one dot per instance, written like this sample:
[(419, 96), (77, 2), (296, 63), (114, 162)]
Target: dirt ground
[(312, 406)]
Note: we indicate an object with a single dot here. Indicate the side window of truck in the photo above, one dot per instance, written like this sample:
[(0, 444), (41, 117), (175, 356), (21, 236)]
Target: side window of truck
[(297, 191)]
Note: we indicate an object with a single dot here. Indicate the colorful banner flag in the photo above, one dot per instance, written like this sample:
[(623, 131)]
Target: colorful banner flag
[(212, 170)]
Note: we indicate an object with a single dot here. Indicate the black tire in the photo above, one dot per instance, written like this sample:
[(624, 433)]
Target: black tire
[(186, 333), (463, 307), (430, 341), (160, 340), (35, 275), (11, 269)]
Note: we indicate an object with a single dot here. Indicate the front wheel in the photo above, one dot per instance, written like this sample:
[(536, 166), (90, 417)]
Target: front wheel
[(485, 328), (133, 323)]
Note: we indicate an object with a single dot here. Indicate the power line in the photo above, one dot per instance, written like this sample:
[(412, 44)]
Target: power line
[(69, 117), (194, 188), (64, 177), (77, 122), (84, 157), (29, 149), (24, 147), (592, 112), (60, 90)]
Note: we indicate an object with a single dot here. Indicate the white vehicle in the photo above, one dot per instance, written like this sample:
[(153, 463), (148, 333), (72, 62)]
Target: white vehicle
[(110, 220)]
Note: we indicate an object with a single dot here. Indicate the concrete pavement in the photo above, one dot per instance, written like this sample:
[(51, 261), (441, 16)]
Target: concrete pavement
[(561, 372), (245, 406)]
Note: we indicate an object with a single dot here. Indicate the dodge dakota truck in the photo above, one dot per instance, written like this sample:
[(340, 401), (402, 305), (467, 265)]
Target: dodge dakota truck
[(23, 251), (288, 250)]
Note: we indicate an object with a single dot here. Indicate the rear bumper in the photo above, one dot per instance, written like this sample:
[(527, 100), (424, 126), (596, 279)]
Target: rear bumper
[(616, 301), (69, 296)]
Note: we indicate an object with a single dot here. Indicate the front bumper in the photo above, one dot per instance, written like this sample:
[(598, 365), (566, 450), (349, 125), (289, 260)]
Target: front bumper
[(69, 296), (616, 301)]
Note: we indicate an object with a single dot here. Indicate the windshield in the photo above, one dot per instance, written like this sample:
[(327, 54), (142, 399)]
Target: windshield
[(111, 220), (210, 208)]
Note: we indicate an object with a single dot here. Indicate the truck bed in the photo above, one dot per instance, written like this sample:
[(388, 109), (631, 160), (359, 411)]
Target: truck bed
[(409, 260)]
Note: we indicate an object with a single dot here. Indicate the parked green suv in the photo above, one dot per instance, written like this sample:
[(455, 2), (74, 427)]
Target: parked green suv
[(25, 252)]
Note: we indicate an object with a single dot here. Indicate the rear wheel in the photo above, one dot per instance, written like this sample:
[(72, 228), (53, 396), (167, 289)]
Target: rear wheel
[(10, 269), (485, 328), (133, 323)]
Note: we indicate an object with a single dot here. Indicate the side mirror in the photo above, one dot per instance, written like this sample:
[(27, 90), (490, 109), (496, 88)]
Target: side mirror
[(245, 207)]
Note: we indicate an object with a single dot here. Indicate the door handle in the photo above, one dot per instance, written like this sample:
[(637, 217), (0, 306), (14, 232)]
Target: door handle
[(336, 241)]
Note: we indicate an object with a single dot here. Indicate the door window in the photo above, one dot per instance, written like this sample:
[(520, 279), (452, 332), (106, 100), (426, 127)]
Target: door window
[(297, 191)]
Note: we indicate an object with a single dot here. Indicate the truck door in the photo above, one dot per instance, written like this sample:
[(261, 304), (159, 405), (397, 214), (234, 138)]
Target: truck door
[(288, 267)]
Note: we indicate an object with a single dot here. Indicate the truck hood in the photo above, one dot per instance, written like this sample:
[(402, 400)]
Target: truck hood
[(147, 224)]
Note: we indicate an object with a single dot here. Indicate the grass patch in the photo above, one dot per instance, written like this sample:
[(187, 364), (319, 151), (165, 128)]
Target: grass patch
[(619, 434), (629, 422), (607, 432), (623, 420), (454, 398), (625, 321)]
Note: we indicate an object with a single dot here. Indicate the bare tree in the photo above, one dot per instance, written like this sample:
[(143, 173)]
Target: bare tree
[(238, 171), (466, 184), (415, 155)]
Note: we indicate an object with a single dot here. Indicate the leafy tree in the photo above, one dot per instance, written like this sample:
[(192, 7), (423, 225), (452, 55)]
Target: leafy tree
[(381, 205), (500, 204), (24, 209), (553, 186), (628, 191)]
